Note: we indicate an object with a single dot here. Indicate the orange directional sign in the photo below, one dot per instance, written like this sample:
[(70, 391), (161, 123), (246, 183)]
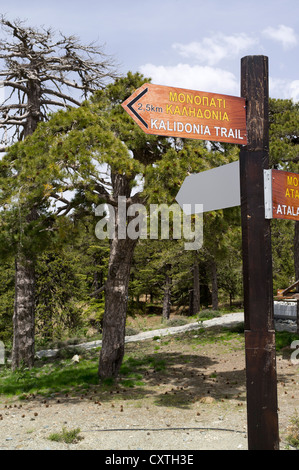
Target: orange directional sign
[(178, 112), (281, 195)]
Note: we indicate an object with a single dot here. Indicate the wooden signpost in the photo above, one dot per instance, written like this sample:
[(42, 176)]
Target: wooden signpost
[(261, 378), (177, 112)]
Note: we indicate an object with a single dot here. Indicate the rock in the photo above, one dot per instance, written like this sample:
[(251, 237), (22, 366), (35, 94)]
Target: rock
[(76, 358), (207, 400)]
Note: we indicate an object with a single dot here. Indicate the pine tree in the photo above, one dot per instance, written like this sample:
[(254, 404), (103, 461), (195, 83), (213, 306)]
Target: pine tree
[(98, 152), (39, 69)]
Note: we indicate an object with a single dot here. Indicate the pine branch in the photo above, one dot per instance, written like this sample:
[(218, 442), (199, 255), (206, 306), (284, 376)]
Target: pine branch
[(48, 91), (98, 291), (15, 85), (13, 106), (13, 122), (15, 118), (63, 80), (293, 160), (55, 103), (60, 198)]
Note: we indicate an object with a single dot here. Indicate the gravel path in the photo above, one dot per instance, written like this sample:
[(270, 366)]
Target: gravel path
[(143, 419)]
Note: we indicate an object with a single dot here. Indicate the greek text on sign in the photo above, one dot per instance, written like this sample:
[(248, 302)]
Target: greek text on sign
[(281, 194), (178, 112)]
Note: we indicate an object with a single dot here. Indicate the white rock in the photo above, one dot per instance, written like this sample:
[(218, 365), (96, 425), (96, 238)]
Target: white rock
[(76, 358)]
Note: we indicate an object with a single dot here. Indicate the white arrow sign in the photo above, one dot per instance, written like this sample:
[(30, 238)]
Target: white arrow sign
[(215, 189)]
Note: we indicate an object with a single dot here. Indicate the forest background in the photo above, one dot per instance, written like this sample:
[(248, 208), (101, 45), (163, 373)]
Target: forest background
[(98, 150)]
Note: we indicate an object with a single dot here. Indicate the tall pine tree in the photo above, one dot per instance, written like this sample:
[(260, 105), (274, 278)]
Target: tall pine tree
[(38, 70)]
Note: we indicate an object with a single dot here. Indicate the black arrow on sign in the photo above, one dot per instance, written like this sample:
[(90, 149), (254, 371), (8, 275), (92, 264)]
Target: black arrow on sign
[(131, 104)]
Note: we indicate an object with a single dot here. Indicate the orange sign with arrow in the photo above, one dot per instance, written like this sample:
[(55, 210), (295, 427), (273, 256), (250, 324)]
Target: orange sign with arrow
[(178, 112), (281, 189)]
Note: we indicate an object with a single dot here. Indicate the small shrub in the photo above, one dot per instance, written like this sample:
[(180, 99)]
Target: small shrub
[(68, 437), (239, 328), (208, 314), (131, 331), (293, 429), (284, 339), (68, 353), (177, 322)]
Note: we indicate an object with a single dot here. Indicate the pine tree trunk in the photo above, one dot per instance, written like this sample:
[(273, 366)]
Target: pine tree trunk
[(196, 288), (191, 296), (214, 285), (24, 314), (166, 298), (116, 300), (24, 308), (117, 286)]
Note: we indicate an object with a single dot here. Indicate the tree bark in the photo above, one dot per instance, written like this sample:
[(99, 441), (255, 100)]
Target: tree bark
[(117, 285), (214, 285), (191, 296), (24, 314), (24, 308), (166, 297), (194, 293), (196, 288), (34, 104), (116, 300)]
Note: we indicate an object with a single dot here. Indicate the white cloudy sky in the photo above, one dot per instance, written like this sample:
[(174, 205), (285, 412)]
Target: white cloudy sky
[(193, 44)]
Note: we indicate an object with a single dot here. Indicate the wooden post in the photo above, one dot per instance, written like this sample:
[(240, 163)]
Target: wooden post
[(262, 417)]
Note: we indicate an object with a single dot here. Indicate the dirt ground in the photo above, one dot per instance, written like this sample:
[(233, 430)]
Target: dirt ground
[(198, 402)]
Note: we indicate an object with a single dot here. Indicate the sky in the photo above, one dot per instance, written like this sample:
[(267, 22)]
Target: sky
[(194, 44)]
